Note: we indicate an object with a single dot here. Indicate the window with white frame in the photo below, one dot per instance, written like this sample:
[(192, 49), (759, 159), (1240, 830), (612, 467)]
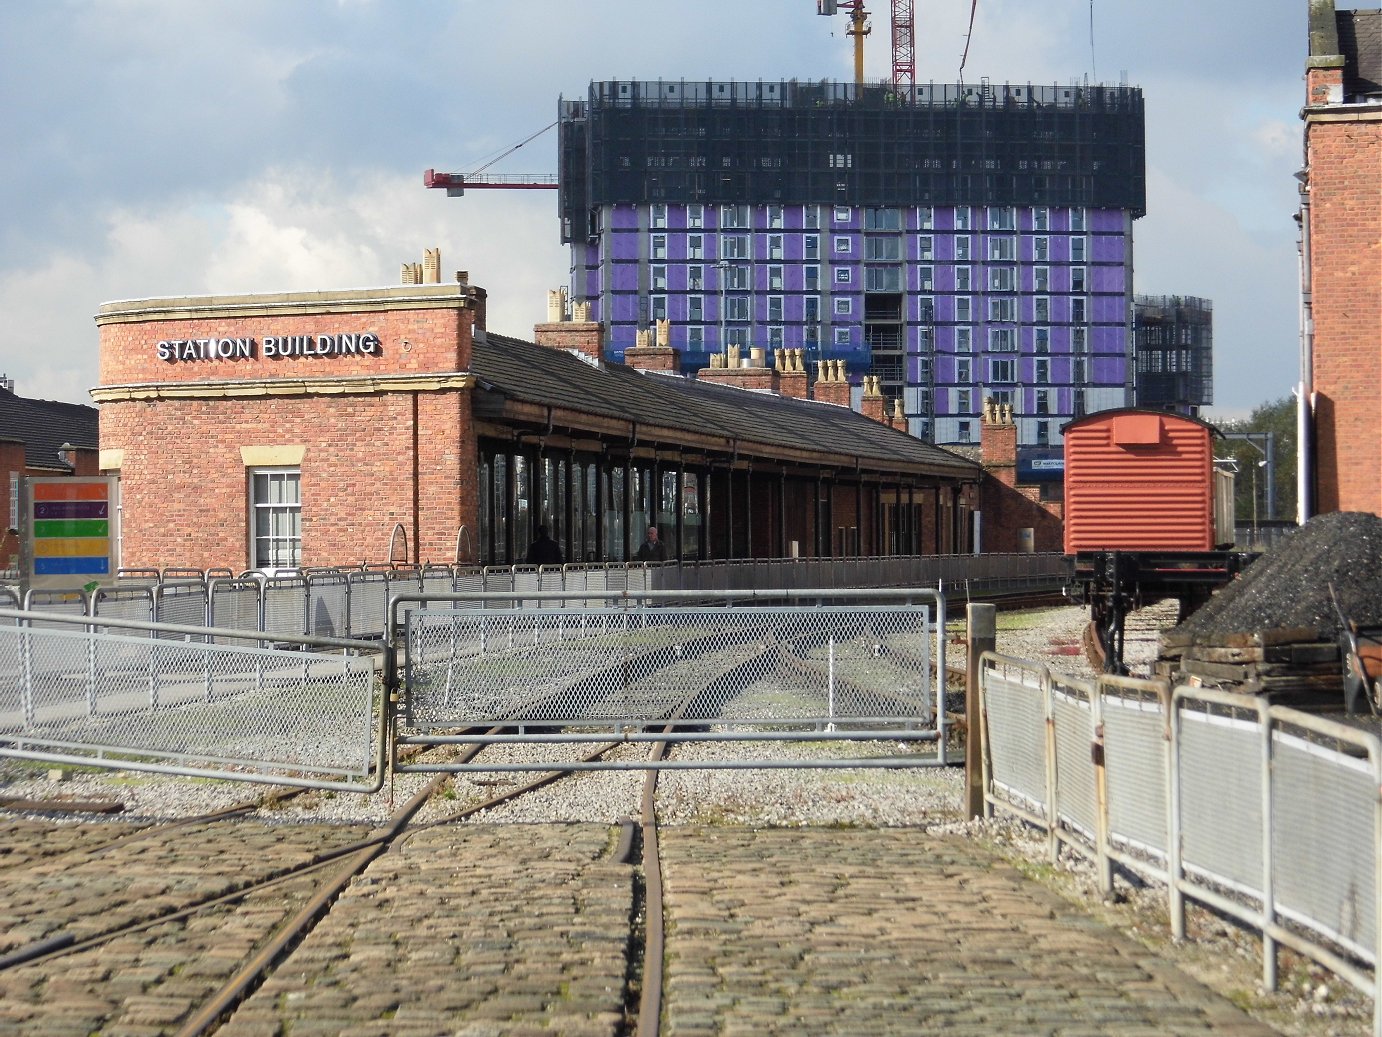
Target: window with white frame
[(811, 246), (963, 309), (737, 278), (1043, 401), (774, 246), (276, 517), (1002, 250), (1079, 308), (695, 216), (774, 278), (695, 337), (1077, 219), (841, 336), (964, 343), (734, 216), (737, 308), (1003, 309), (963, 371), (1043, 431), (1002, 279), (695, 246), (926, 217), (813, 334), (811, 278), (926, 277), (774, 308), (964, 399), (1042, 339), (659, 215), (695, 278), (737, 336), (1079, 341), (1041, 249), (775, 338), (812, 308), (811, 217), (842, 275), (1002, 217), (843, 307), (883, 219), (962, 217), (659, 307), (659, 246), (962, 248), (1041, 309), (659, 274), (1041, 278), (1077, 249), (962, 279), (1043, 370), (1003, 340), (774, 216), (926, 313), (1041, 218), (926, 247), (964, 432), (842, 246), (695, 308), (842, 214), (735, 246), (1001, 370)]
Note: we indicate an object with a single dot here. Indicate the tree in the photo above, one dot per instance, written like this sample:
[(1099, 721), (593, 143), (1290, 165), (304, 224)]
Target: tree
[(1247, 442)]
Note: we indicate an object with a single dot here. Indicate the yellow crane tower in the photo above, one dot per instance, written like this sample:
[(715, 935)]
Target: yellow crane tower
[(858, 28), (903, 37)]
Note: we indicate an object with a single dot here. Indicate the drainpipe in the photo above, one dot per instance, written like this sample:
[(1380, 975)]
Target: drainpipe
[(1305, 391)]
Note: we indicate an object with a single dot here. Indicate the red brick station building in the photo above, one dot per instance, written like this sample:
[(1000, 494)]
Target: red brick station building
[(312, 429)]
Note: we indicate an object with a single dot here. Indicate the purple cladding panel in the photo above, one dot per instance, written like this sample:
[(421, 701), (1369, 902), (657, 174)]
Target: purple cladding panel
[(624, 277), (623, 247), (1109, 248), (1106, 219), (1109, 279), (623, 217)]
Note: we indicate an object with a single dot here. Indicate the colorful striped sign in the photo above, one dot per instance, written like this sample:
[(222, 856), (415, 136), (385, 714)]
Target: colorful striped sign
[(70, 532)]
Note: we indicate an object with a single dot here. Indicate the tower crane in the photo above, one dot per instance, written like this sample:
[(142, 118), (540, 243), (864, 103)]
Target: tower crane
[(456, 183), (903, 36)]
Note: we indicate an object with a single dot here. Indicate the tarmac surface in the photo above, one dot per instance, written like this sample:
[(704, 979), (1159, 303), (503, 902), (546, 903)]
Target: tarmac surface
[(483, 930)]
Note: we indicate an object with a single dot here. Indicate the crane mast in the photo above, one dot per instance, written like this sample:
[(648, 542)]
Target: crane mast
[(903, 37)]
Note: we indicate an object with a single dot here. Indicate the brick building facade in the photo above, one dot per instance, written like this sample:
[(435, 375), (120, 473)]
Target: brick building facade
[(1341, 218)]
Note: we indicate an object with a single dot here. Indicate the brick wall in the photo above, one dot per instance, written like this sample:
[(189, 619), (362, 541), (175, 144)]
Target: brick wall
[(1345, 179), (394, 444)]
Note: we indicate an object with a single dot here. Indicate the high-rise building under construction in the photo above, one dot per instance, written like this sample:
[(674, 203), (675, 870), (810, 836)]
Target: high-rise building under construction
[(958, 241)]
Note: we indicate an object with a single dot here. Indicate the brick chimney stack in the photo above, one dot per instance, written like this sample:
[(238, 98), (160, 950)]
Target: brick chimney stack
[(579, 333), (874, 405), (648, 357), (732, 368), (998, 441), (831, 384), (790, 374)]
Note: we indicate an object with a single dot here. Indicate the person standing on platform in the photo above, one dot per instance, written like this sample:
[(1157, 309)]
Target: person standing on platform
[(652, 549), (544, 550)]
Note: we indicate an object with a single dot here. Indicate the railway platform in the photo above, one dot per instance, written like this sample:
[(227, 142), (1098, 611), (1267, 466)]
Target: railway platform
[(484, 930)]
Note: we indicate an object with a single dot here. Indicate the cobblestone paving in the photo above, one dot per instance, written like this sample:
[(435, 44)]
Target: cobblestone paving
[(898, 932), (476, 931)]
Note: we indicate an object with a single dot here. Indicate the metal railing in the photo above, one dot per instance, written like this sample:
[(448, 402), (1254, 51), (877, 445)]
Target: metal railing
[(190, 700), (1266, 814), (548, 666)]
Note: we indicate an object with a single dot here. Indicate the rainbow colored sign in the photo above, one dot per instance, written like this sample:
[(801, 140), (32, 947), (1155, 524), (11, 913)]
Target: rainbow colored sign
[(71, 531)]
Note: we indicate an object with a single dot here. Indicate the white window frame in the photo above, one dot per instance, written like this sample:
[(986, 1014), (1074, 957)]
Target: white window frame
[(962, 279), (695, 246), (926, 247), (695, 216), (657, 215), (657, 248), (962, 218), (842, 245), (1077, 249), (842, 336), (811, 246), (282, 542), (841, 214), (843, 307), (963, 311), (842, 275)]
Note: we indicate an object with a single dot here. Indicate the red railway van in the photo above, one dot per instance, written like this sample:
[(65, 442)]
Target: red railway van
[(1142, 480)]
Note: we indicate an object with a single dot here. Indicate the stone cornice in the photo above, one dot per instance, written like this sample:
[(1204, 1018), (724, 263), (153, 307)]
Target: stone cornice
[(362, 385), (1343, 113), (279, 304)]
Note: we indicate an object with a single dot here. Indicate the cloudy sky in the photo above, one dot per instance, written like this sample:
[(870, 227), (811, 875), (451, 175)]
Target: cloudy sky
[(172, 147)]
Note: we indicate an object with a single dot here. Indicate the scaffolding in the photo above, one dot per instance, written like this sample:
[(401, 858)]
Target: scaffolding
[(1173, 339), (837, 143)]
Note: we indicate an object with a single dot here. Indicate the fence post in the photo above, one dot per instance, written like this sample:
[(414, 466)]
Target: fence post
[(980, 637)]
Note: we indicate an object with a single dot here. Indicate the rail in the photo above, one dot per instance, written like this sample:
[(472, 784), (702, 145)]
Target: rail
[(1265, 814)]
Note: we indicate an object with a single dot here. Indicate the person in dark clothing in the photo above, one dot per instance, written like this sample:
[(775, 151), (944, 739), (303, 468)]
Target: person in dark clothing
[(543, 550), (652, 549)]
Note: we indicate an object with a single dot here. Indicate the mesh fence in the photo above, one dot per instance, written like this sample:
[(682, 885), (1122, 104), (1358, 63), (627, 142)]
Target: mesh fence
[(117, 700), (744, 668)]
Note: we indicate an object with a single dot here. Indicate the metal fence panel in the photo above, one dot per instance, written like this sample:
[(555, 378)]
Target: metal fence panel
[(369, 599), (124, 602), (1073, 711), (1219, 765), (285, 606), (328, 604), (1325, 841), (746, 668), (235, 603), (1014, 694), (181, 602), (1135, 716), (143, 702)]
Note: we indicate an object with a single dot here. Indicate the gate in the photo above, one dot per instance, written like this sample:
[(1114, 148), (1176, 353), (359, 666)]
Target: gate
[(665, 666), (190, 700)]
